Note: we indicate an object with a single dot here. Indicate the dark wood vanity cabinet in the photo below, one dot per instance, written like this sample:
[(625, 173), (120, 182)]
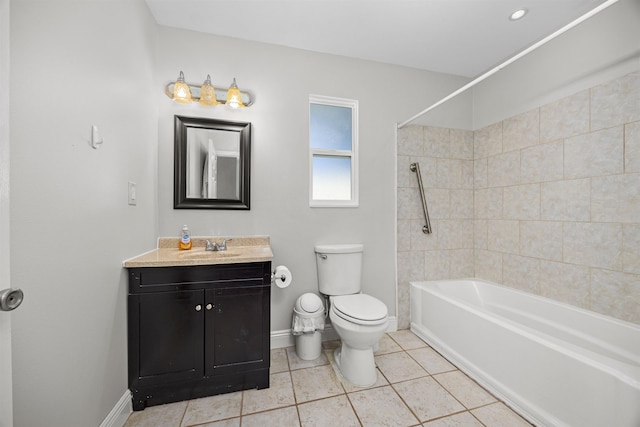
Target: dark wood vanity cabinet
[(197, 331)]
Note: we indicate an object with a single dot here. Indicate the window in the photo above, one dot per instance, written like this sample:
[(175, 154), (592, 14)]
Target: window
[(333, 143)]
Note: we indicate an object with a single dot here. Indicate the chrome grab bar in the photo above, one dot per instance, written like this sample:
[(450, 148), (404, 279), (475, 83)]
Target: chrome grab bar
[(415, 167)]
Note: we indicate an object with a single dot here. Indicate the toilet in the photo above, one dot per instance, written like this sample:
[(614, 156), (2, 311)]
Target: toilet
[(360, 320)]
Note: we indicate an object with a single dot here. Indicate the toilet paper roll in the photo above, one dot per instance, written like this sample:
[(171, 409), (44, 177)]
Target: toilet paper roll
[(282, 276)]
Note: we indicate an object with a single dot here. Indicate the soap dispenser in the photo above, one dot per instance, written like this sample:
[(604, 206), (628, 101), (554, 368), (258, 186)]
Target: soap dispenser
[(185, 239)]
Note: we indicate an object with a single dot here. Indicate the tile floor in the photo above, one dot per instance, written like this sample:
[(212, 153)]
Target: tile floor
[(416, 387)]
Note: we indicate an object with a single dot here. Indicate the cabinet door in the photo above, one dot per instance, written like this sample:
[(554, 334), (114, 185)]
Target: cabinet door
[(237, 329), (166, 331)]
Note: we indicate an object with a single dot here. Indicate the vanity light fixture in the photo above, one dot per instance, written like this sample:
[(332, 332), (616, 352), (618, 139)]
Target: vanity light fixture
[(207, 95), (518, 14)]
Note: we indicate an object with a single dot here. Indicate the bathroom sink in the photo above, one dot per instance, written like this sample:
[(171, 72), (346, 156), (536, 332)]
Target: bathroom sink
[(207, 254)]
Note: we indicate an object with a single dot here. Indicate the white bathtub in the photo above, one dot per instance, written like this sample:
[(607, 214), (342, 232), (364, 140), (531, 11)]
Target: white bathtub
[(555, 364)]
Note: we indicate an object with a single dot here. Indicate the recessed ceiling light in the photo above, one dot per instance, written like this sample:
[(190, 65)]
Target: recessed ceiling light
[(518, 14)]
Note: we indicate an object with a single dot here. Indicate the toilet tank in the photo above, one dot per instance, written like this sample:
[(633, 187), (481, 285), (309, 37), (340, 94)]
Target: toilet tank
[(339, 268)]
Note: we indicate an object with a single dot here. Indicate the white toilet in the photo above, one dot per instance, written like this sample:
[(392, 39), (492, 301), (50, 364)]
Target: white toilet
[(360, 320)]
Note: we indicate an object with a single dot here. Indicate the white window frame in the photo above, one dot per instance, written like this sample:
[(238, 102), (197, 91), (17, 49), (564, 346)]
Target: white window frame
[(352, 154)]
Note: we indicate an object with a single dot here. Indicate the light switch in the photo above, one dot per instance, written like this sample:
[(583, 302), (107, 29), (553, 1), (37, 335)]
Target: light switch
[(132, 193)]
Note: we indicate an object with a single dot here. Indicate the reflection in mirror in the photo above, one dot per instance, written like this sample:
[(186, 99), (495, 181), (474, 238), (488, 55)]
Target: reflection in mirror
[(212, 160)]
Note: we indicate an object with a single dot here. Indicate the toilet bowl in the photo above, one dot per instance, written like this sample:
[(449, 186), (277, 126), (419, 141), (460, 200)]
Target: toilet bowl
[(359, 332)]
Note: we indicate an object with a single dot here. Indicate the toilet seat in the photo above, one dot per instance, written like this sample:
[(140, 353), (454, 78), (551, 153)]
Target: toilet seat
[(361, 309)]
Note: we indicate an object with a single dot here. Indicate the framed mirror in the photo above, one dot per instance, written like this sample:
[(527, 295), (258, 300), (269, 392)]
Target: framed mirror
[(212, 162)]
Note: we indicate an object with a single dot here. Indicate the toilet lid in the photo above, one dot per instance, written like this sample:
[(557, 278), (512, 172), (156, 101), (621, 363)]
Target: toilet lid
[(360, 307)]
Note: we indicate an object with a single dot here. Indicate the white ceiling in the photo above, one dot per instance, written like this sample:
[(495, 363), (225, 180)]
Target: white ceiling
[(461, 37)]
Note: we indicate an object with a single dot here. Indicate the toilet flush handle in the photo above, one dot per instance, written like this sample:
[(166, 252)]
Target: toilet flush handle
[(323, 256)]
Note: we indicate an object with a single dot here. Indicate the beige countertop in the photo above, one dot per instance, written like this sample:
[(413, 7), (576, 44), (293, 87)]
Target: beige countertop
[(239, 250)]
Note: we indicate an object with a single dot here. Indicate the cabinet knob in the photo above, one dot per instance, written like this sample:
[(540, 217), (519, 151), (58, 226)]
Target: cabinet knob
[(209, 306), (198, 307)]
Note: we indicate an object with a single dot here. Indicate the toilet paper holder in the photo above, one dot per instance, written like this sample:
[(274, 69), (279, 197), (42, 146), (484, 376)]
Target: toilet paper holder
[(281, 276), (10, 299)]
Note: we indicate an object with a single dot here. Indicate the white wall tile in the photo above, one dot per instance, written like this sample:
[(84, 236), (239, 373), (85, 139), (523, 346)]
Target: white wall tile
[(632, 147), (542, 163), (616, 198), (541, 239), (616, 294), (504, 169), (567, 283), (566, 200), (594, 154), (564, 118), (631, 248), (503, 236), (616, 102), (593, 244), (521, 131), (521, 202)]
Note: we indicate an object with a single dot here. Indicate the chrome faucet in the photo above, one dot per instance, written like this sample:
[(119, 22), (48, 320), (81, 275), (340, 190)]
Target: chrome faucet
[(214, 246)]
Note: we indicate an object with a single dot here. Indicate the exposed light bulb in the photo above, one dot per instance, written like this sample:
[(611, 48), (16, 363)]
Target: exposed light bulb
[(518, 14)]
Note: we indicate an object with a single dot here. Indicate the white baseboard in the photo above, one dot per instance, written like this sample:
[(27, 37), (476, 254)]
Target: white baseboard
[(284, 338), (119, 414), (279, 339)]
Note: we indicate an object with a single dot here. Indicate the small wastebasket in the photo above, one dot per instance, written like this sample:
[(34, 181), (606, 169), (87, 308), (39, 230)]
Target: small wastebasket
[(307, 324)]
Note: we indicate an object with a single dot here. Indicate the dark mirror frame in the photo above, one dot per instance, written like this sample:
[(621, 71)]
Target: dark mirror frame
[(180, 199)]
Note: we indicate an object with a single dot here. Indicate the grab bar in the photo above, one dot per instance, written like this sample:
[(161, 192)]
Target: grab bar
[(415, 167)]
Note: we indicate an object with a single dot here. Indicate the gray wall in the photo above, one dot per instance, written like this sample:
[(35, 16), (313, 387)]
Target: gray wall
[(75, 64), (282, 80)]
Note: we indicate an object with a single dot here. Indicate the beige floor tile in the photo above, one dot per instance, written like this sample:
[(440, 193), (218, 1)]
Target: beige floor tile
[(330, 345), (428, 399), (387, 345), (168, 415), (350, 388), (315, 383), (214, 408), (278, 395), (327, 412), (296, 363), (431, 360), (232, 422), (499, 415), (463, 388), (279, 362), (398, 367), (463, 419), (381, 407), (407, 339), (284, 417)]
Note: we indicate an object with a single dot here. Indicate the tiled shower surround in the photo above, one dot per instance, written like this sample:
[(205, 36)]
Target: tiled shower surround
[(547, 201)]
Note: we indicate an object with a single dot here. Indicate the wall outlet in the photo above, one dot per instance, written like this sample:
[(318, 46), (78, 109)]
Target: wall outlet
[(132, 193)]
